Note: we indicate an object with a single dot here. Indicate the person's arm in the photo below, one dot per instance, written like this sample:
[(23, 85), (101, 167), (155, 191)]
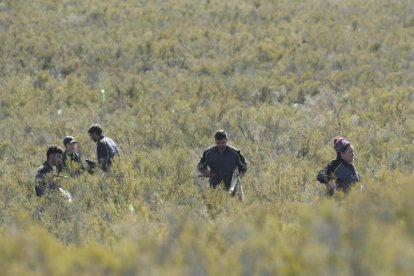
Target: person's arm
[(89, 166), (103, 156), (77, 158), (242, 163), (202, 165), (322, 176), (40, 184), (327, 174)]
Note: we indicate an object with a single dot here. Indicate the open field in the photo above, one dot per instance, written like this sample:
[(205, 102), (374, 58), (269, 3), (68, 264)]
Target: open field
[(281, 77)]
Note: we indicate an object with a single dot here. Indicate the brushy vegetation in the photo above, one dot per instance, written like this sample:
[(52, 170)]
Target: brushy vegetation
[(282, 77)]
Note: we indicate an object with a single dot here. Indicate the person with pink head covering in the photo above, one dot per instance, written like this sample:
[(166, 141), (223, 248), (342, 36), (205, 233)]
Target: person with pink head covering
[(340, 173)]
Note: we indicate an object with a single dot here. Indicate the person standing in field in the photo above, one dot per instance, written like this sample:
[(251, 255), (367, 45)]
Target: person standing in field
[(71, 160), (46, 175), (219, 161), (107, 150), (340, 173)]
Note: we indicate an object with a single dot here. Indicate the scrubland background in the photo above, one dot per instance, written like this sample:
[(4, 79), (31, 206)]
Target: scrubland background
[(281, 77)]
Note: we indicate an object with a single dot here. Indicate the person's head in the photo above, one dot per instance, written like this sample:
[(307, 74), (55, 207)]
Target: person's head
[(95, 132), (54, 155), (344, 149), (70, 144), (221, 139)]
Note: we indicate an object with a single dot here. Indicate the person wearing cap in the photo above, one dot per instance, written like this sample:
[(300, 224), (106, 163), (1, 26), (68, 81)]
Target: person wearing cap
[(46, 175), (106, 148), (340, 173), (71, 161), (219, 161)]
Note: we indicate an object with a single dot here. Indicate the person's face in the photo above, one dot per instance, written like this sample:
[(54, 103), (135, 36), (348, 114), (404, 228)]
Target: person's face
[(71, 148), (55, 159), (221, 144), (348, 155), (94, 136)]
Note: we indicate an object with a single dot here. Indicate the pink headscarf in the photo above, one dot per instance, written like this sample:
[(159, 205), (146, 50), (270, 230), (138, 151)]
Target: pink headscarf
[(340, 144)]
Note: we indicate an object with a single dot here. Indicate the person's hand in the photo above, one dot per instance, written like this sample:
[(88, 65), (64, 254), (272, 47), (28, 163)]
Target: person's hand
[(207, 173), (331, 186)]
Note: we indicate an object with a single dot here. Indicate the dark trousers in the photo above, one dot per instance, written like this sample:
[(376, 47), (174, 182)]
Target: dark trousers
[(216, 180)]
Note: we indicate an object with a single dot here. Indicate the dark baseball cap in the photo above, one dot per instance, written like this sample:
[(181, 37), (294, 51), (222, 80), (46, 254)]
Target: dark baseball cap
[(69, 140)]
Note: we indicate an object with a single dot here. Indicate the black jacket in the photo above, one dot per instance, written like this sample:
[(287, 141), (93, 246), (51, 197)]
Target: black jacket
[(222, 165), (344, 174), (106, 151)]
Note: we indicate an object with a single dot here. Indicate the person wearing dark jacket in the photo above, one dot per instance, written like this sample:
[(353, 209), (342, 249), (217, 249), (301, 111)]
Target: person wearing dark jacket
[(71, 160), (218, 162), (340, 173), (106, 148), (46, 175)]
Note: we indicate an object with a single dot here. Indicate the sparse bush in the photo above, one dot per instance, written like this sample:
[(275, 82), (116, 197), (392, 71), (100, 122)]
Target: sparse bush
[(282, 77)]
